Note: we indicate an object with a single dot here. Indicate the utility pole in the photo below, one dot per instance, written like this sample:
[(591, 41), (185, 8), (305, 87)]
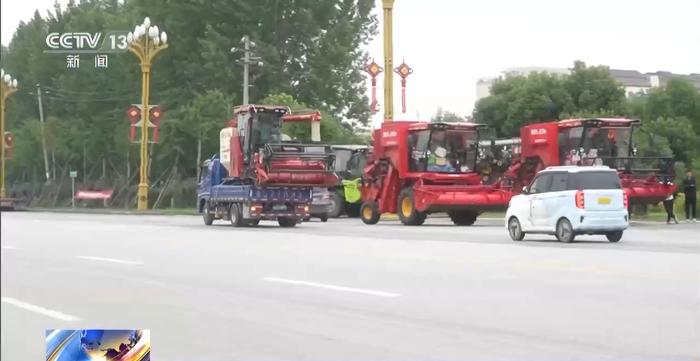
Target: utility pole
[(246, 68), (43, 134), (248, 58)]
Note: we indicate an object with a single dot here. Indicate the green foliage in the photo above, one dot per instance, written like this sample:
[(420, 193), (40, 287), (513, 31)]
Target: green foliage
[(518, 100), (446, 116), (311, 50)]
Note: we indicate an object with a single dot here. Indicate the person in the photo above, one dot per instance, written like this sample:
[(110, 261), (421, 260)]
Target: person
[(690, 191), (437, 161), (668, 206)]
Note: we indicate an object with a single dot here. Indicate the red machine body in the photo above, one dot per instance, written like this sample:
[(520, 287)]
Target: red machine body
[(252, 149), (593, 141), (400, 177)]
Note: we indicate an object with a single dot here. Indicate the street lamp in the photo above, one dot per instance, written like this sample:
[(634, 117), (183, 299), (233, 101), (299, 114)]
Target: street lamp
[(7, 87), (248, 58), (146, 41)]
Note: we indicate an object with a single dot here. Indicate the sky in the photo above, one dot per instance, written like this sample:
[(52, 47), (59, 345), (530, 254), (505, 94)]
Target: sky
[(450, 44)]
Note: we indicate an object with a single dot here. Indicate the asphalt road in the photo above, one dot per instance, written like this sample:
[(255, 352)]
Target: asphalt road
[(345, 291)]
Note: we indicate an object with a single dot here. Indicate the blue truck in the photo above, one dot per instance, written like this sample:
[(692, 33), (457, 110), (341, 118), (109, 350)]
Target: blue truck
[(245, 204)]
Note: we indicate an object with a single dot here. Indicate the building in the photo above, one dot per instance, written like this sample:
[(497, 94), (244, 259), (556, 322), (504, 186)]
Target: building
[(633, 81)]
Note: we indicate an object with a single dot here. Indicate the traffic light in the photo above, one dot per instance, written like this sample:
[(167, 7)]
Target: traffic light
[(155, 114), (9, 144)]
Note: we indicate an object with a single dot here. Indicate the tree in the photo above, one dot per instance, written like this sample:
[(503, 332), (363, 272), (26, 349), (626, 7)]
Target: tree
[(593, 89), (679, 98), (662, 135), (446, 116)]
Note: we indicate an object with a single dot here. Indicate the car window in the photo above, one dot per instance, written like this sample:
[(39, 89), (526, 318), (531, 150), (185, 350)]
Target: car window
[(597, 180), (541, 183), (559, 182)]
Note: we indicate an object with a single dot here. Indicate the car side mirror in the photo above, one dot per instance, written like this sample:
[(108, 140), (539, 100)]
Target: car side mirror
[(525, 190)]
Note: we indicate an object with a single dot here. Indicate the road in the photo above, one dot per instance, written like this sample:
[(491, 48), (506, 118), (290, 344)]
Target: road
[(346, 291)]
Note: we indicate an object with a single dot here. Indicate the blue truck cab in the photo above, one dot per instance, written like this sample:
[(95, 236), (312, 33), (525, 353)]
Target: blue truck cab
[(244, 204)]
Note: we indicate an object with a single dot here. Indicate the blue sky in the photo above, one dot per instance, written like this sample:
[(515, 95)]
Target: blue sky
[(452, 43)]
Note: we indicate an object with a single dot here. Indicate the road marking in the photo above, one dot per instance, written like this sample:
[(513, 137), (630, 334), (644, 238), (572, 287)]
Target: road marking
[(113, 260), (9, 247), (40, 310), (332, 287)]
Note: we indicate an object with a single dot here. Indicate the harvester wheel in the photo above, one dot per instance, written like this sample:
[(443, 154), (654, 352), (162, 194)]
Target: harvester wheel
[(369, 212), (234, 214), (463, 218), (407, 209), (287, 222)]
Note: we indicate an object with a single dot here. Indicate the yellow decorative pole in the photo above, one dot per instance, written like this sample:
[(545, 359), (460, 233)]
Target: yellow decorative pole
[(7, 87), (388, 61), (145, 42)]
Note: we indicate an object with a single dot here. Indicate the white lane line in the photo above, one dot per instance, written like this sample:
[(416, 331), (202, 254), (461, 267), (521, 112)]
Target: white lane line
[(113, 260), (40, 310), (332, 287), (9, 247)]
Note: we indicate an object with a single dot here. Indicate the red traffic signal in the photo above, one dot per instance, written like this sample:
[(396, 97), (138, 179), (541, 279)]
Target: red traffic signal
[(133, 113), (154, 115)]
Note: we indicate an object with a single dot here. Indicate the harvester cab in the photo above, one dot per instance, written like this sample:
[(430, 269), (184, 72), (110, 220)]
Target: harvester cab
[(595, 141)]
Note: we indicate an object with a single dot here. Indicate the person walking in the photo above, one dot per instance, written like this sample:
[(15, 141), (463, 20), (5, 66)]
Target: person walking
[(690, 190), (668, 206)]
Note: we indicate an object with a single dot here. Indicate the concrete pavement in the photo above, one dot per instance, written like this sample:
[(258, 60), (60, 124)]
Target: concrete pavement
[(345, 291)]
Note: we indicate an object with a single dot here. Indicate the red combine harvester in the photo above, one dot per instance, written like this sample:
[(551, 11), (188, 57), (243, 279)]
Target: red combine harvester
[(593, 141), (257, 175), (418, 168)]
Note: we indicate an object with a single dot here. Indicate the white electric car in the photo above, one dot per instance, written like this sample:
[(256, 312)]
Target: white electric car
[(567, 201)]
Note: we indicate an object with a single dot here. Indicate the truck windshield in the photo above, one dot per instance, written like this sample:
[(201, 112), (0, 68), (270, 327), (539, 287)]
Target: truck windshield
[(584, 145), (342, 156)]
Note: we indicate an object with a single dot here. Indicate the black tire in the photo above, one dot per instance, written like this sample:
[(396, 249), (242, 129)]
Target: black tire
[(324, 218), (287, 222), (369, 212), (206, 215), (564, 232), (406, 209), (338, 204), (353, 209), (235, 216), (253, 222), (463, 218), (515, 230), (307, 219), (614, 236)]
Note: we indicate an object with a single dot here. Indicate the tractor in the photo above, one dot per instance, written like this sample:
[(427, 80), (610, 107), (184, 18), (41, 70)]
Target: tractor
[(593, 141), (420, 168), (350, 161)]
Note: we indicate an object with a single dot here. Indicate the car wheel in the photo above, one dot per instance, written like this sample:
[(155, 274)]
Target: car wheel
[(515, 230), (564, 231), (324, 218), (408, 214), (614, 236), (369, 212), (234, 213)]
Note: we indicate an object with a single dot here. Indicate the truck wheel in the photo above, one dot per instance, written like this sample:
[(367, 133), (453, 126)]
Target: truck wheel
[(287, 222), (324, 218), (253, 222), (407, 209), (206, 216), (565, 233), (369, 212), (352, 209), (463, 218), (338, 205), (234, 214), (614, 236)]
